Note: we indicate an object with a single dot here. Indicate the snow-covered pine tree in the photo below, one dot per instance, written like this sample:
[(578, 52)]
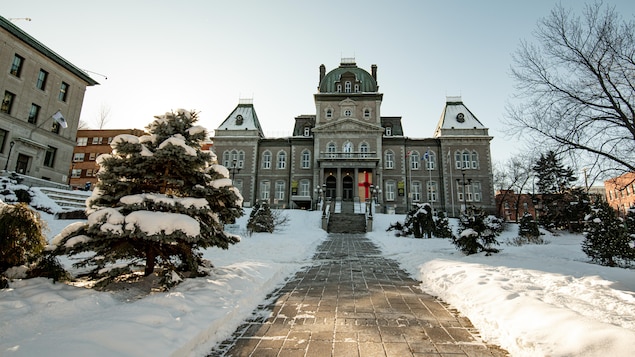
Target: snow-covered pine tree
[(159, 200), (607, 241), (528, 228), (477, 232), (442, 226), (419, 222), (261, 219)]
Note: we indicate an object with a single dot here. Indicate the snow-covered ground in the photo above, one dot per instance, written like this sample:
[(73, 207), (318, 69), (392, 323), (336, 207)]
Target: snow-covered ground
[(533, 300)]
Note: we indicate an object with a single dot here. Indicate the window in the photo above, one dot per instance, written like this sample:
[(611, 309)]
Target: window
[(307, 131), (474, 160), (282, 160), (82, 141), (41, 79), (238, 183), (329, 113), (348, 149), (305, 188), (476, 189), (227, 158), (347, 87), (16, 66), (241, 159), (266, 160), (432, 191), (363, 149), (63, 92), (390, 160), (430, 159), (89, 172), (92, 156), (366, 113), (265, 187), (55, 128), (34, 112), (279, 190), (331, 149), (3, 139), (49, 157), (306, 159), (416, 191), (414, 160), (78, 157), (7, 102), (110, 140), (390, 190), (466, 159), (356, 88), (97, 140), (339, 88), (457, 160), (75, 173), (239, 119), (388, 130), (459, 191), (348, 113)]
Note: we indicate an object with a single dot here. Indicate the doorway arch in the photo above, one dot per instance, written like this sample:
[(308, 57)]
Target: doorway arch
[(331, 184), (347, 188)]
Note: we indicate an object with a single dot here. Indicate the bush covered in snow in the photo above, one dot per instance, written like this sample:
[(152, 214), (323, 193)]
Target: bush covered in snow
[(260, 219), (607, 241), (421, 222), (478, 232)]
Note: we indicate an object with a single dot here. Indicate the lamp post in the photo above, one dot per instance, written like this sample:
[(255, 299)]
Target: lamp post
[(464, 183), (6, 164), (318, 192), (234, 170)]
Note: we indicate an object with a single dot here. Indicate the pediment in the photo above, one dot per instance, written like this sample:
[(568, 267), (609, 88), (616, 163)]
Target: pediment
[(348, 102), (348, 125)]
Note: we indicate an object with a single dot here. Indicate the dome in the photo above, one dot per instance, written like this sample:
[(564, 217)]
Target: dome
[(359, 79)]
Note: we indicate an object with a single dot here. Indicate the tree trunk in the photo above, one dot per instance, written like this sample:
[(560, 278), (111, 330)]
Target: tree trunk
[(150, 261)]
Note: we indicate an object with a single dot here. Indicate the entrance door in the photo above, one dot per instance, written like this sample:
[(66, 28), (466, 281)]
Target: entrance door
[(347, 188), (331, 184), (22, 164)]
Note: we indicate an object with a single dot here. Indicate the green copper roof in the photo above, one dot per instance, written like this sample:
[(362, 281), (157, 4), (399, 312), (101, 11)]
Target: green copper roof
[(366, 82)]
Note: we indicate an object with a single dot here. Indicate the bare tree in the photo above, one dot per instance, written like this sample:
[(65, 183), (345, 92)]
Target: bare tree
[(514, 176), (104, 113), (82, 125), (577, 87)]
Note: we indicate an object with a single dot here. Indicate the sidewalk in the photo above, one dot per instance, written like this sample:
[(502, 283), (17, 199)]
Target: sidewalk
[(354, 302)]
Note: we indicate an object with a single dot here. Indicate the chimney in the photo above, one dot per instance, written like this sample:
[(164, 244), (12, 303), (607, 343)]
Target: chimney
[(322, 72), (373, 71)]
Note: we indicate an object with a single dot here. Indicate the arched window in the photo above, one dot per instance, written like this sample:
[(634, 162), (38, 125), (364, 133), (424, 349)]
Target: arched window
[(241, 159), (389, 161), (466, 159), (266, 159), (366, 113), (432, 191), (279, 191), (388, 130), (282, 160), (306, 159), (305, 188), (474, 160), (329, 113), (347, 149), (347, 87), (430, 158), (265, 187), (307, 131), (331, 149), (363, 149), (414, 160), (227, 158)]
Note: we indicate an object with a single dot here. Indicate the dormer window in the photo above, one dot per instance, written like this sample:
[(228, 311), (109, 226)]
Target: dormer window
[(388, 130), (307, 131), (339, 88), (356, 88), (347, 87), (239, 119)]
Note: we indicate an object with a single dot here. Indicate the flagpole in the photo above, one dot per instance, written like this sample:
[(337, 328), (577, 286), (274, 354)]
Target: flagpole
[(451, 181), (429, 176)]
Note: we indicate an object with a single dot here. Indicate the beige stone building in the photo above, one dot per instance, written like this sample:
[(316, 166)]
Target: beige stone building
[(348, 151), (42, 96)]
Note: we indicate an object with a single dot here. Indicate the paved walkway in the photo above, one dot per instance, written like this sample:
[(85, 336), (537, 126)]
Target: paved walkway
[(354, 302)]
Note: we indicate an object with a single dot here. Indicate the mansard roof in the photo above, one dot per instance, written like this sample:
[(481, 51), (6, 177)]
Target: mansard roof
[(457, 120), (348, 68), (243, 117), (394, 123), (302, 121)]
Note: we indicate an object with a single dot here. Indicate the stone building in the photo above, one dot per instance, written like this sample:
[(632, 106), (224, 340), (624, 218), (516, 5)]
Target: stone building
[(42, 97), (348, 151)]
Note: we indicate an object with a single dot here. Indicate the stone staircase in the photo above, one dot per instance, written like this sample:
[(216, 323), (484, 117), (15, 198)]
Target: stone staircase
[(68, 200), (347, 221)]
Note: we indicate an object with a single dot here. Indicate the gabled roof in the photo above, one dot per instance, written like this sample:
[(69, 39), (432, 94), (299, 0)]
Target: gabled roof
[(243, 117), (457, 120), (47, 52)]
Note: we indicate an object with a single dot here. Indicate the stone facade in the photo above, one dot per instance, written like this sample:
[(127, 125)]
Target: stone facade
[(37, 85), (348, 151)]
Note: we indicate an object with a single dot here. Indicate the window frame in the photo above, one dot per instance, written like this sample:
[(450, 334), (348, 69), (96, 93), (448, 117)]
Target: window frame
[(16, 65), (41, 80), (7, 102), (390, 190), (34, 113), (279, 190), (281, 160), (265, 188), (49, 156), (266, 160), (63, 94), (389, 160), (305, 159)]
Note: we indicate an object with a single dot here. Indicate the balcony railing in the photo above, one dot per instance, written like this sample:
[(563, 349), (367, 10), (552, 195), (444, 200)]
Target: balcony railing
[(347, 155)]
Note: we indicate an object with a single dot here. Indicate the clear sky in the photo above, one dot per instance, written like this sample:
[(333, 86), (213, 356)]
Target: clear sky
[(205, 55)]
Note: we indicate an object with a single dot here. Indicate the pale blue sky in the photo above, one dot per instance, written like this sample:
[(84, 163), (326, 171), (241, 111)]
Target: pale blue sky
[(205, 55)]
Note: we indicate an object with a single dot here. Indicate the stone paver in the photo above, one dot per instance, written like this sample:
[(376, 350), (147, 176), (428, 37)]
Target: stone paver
[(354, 302)]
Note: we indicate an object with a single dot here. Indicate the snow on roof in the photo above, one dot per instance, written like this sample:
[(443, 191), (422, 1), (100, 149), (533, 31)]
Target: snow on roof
[(242, 118), (456, 115)]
